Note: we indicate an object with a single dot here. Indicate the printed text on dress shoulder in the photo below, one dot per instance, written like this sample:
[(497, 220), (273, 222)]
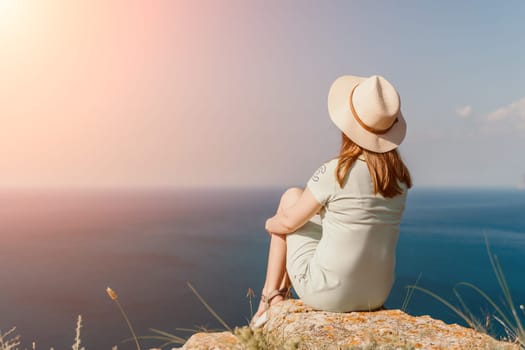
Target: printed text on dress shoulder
[(319, 172)]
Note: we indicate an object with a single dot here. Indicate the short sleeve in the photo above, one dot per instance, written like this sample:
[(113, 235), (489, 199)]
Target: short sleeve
[(322, 182)]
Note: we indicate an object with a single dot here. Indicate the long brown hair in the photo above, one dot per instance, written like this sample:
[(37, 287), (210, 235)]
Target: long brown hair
[(386, 169)]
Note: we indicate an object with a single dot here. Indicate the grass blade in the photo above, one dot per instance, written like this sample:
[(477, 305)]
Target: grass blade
[(409, 294), (209, 307), (449, 305)]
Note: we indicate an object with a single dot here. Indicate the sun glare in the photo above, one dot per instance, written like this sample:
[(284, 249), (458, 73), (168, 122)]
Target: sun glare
[(6, 6), (13, 19), (8, 9)]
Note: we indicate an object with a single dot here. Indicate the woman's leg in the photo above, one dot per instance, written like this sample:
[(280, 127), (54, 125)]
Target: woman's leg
[(276, 276), (286, 282)]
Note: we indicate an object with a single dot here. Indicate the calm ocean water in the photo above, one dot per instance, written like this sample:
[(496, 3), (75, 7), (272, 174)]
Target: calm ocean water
[(60, 249)]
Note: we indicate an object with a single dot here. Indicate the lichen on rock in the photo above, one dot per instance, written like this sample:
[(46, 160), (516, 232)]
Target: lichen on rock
[(295, 325)]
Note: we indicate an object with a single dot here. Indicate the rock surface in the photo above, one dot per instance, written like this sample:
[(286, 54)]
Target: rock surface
[(294, 325)]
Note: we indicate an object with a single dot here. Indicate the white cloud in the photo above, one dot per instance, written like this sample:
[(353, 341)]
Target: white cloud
[(464, 112), (514, 113)]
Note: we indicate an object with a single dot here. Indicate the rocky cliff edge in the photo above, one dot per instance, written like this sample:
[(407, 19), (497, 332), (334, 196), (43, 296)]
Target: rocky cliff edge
[(294, 325)]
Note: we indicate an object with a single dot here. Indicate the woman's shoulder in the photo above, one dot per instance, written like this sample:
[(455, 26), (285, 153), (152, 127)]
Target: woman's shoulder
[(331, 163), (322, 182), (328, 167)]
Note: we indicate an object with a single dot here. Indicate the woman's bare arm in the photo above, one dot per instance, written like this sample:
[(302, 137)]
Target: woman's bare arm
[(290, 219)]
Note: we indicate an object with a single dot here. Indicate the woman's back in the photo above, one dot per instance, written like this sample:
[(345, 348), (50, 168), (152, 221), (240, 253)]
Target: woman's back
[(353, 265)]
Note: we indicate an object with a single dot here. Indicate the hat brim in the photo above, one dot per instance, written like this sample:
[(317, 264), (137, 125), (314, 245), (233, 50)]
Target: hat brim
[(341, 115)]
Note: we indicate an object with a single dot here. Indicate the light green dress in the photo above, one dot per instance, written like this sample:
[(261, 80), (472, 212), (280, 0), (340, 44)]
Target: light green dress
[(343, 259)]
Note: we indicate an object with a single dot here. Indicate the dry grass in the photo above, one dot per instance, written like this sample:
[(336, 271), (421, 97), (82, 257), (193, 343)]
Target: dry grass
[(76, 344), (9, 341), (507, 316)]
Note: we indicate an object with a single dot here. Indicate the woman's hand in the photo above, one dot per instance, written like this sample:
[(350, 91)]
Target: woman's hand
[(278, 225), (267, 226)]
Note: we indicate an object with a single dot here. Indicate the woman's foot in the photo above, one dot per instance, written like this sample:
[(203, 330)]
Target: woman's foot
[(285, 294), (267, 300), (263, 306)]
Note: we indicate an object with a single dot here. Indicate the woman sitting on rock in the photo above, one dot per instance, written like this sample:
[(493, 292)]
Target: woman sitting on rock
[(335, 241)]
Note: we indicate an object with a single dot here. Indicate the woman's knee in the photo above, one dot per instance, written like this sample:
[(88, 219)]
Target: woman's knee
[(290, 196)]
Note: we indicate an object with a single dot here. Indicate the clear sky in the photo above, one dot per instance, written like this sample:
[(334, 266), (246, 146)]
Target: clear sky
[(233, 93)]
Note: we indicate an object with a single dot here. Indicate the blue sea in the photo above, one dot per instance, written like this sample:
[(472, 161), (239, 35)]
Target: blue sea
[(60, 249)]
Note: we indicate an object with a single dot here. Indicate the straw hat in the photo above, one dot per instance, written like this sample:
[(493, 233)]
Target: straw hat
[(368, 111)]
